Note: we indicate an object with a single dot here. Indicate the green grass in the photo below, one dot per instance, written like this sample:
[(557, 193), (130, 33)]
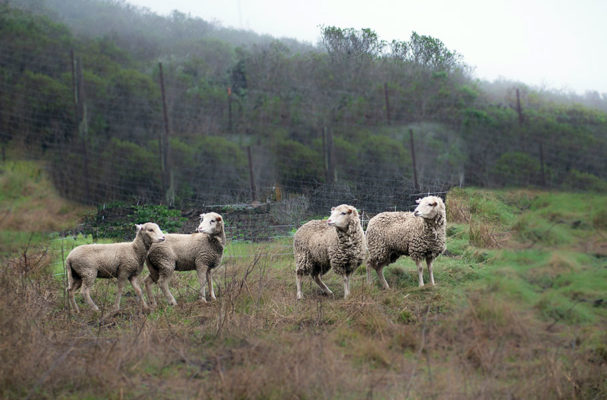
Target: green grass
[(30, 207), (523, 318)]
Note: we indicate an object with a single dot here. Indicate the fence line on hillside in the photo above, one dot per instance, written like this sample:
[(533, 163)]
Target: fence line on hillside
[(116, 159)]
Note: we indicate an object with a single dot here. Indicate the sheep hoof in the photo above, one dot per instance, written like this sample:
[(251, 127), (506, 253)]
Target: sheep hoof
[(213, 298)]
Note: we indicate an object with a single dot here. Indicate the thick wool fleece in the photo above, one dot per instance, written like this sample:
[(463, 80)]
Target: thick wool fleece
[(319, 247), (114, 260), (394, 234), (181, 252), (123, 261), (198, 251)]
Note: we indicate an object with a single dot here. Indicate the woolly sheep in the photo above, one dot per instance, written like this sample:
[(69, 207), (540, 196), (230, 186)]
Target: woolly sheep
[(420, 235), (201, 251), (337, 243), (117, 260)]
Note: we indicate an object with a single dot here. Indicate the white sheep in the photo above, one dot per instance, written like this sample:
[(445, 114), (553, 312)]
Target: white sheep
[(116, 260), (420, 235), (201, 251), (337, 243)]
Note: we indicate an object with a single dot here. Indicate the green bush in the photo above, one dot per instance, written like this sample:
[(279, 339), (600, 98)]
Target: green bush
[(117, 220), (516, 168), (577, 180), (169, 220)]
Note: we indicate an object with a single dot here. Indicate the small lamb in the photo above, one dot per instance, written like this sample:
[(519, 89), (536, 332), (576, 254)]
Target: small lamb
[(337, 243), (420, 235), (201, 251), (116, 260)]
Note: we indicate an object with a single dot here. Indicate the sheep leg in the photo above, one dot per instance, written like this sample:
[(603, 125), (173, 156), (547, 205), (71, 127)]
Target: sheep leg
[(202, 295), (368, 274), (86, 293), (149, 281), (137, 288), (322, 285), (121, 282), (382, 278), (210, 283), (420, 272), (298, 283), (163, 282), (71, 290), (429, 263), (346, 286)]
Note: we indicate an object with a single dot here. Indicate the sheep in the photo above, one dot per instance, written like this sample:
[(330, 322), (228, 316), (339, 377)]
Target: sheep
[(116, 260), (201, 251), (420, 235), (337, 243)]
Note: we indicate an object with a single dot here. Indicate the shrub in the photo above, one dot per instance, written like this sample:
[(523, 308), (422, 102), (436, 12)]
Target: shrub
[(577, 180), (516, 168)]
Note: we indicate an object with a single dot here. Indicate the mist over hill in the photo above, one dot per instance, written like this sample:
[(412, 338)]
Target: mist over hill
[(250, 117)]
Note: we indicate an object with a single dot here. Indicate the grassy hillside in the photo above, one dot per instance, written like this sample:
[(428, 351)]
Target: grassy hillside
[(520, 311), (30, 207)]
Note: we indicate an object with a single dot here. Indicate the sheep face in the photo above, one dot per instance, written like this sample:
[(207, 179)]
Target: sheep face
[(151, 232), (341, 216), (210, 223), (429, 207)]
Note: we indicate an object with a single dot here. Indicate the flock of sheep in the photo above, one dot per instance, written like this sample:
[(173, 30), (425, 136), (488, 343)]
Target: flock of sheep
[(338, 243)]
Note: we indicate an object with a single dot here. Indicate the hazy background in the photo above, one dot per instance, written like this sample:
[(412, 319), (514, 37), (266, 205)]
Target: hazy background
[(358, 104), (548, 43)]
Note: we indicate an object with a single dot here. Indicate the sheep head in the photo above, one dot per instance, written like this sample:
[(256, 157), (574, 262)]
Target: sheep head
[(429, 207), (341, 216), (210, 223), (150, 232)]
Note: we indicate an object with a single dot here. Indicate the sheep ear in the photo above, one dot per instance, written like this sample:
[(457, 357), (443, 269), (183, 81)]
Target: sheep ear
[(418, 200), (218, 218), (138, 227), (433, 204), (332, 208), (201, 216), (350, 211)]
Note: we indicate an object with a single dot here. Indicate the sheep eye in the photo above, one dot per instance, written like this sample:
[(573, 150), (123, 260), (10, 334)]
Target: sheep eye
[(343, 213)]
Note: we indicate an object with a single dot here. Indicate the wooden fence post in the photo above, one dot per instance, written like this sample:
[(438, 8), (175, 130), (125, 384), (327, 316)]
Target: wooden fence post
[(413, 160), (251, 177), (167, 173)]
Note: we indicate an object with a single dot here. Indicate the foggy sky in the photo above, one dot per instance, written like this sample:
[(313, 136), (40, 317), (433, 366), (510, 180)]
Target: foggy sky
[(553, 44)]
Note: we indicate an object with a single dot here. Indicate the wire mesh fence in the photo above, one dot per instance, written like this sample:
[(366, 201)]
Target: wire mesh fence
[(274, 138)]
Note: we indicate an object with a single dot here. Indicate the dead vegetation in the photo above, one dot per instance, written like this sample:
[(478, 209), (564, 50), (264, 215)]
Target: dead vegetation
[(256, 341)]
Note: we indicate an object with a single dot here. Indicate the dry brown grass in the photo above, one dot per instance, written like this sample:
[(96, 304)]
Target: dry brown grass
[(30, 203), (458, 209), (257, 341), (484, 235)]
